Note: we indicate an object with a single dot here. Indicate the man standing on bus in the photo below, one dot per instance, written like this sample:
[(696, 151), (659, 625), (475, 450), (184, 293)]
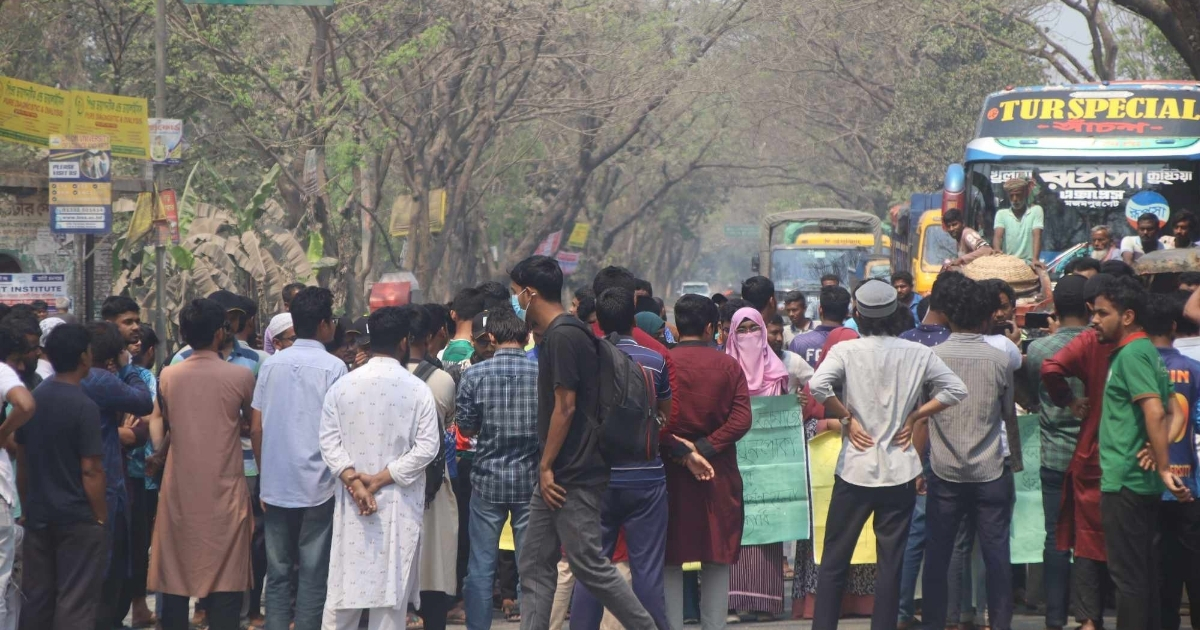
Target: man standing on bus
[(970, 244), (1018, 230)]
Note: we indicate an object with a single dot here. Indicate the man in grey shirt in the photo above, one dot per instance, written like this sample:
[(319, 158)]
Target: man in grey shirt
[(971, 478), (882, 379)]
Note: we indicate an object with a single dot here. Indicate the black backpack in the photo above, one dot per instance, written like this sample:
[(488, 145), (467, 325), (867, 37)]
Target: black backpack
[(435, 472), (628, 419)]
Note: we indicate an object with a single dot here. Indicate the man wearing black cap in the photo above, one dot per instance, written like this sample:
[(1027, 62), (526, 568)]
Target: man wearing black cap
[(877, 468), (1059, 436)]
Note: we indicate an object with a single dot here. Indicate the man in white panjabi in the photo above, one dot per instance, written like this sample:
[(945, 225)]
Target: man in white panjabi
[(379, 430)]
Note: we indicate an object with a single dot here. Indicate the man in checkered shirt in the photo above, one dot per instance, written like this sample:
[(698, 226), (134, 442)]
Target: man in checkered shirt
[(497, 404)]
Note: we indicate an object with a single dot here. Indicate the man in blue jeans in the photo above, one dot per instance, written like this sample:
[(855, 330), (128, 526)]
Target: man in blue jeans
[(636, 499), (297, 487), (497, 405)]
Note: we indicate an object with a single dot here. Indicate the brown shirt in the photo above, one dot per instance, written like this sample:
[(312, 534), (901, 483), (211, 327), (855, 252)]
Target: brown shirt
[(201, 539)]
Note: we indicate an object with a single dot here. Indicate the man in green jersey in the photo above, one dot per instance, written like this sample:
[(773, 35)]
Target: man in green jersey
[(1137, 409)]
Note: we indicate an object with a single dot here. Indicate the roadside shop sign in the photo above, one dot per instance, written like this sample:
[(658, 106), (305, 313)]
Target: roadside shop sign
[(122, 118), (31, 113), (23, 288), (80, 185), (166, 141)]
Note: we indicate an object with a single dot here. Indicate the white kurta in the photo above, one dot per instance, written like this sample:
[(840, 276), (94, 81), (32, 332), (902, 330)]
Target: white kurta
[(378, 416), (439, 535)]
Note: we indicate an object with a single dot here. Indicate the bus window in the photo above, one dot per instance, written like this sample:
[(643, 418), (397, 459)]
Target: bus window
[(1077, 197)]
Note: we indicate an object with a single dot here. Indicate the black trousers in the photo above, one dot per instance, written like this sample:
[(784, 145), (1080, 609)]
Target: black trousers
[(1091, 588), (139, 536), (434, 607), (1180, 526), (115, 590), (64, 569), (506, 574), (849, 509), (462, 494), (991, 504), (1131, 537), (224, 611)]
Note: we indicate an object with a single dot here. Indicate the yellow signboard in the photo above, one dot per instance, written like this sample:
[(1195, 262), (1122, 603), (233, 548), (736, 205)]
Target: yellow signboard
[(405, 207), (122, 118), (579, 235), (31, 113)]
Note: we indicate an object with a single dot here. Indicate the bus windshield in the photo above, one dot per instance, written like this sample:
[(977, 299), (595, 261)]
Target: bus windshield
[(938, 247), (793, 269), (1076, 197)]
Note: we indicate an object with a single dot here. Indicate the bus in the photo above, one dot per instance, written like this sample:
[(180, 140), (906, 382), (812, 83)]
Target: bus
[(1098, 154)]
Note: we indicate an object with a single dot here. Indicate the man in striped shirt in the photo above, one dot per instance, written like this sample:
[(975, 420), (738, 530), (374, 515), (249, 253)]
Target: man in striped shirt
[(970, 473), (636, 499)]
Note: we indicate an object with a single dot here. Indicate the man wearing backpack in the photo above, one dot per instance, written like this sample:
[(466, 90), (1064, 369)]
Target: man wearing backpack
[(637, 490), (572, 475), (439, 530)]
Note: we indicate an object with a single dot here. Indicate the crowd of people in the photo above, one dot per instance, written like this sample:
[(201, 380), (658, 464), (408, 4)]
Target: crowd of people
[(368, 470)]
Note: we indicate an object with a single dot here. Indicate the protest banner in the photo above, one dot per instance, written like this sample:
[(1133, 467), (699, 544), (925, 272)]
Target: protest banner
[(774, 468), (823, 451), (1027, 536)]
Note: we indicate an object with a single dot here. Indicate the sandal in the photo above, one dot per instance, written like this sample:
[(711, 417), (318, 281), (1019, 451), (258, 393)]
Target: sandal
[(414, 622), (512, 611), (457, 617)]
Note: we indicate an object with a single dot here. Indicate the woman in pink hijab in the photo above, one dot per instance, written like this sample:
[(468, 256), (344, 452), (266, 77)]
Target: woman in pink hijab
[(747, 344), (756, 581)]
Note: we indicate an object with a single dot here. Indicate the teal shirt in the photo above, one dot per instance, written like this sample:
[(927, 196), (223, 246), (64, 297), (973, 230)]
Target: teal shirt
[(1018, 233)]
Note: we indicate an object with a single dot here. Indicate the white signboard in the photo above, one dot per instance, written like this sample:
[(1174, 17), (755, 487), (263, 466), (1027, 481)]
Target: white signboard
[(23, 288)]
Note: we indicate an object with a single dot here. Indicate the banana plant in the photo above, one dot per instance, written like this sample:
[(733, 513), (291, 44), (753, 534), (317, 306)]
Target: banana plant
[(246, 250)]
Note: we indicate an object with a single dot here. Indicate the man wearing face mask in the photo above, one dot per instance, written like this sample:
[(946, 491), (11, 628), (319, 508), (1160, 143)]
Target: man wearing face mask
[(564, 511)]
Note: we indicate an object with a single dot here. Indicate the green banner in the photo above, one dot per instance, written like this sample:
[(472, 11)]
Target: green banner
[(1027, 536), (773, 460)]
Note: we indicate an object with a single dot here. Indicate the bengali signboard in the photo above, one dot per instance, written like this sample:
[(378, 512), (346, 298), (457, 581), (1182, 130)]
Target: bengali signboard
[(168, 229), (122, 118), (1152, 112), (25, 235), (166, 141), (80, 185), (549, 245), (31, 113), (579, 234), (773, 461), (23, 288), (568, 262)]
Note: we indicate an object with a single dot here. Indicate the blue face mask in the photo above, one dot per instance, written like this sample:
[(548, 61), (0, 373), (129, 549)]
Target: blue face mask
[(516, 305)]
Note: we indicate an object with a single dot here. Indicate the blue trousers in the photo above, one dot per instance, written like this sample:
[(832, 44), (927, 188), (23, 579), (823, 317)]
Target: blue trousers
[(642, 512), (297, 536), (946, 506), (486, 523)]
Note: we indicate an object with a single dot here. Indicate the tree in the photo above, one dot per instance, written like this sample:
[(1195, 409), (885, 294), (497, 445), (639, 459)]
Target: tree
[(1179, 22)]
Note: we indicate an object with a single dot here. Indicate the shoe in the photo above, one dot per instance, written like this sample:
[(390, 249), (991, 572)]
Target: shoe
[(733, 619)]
